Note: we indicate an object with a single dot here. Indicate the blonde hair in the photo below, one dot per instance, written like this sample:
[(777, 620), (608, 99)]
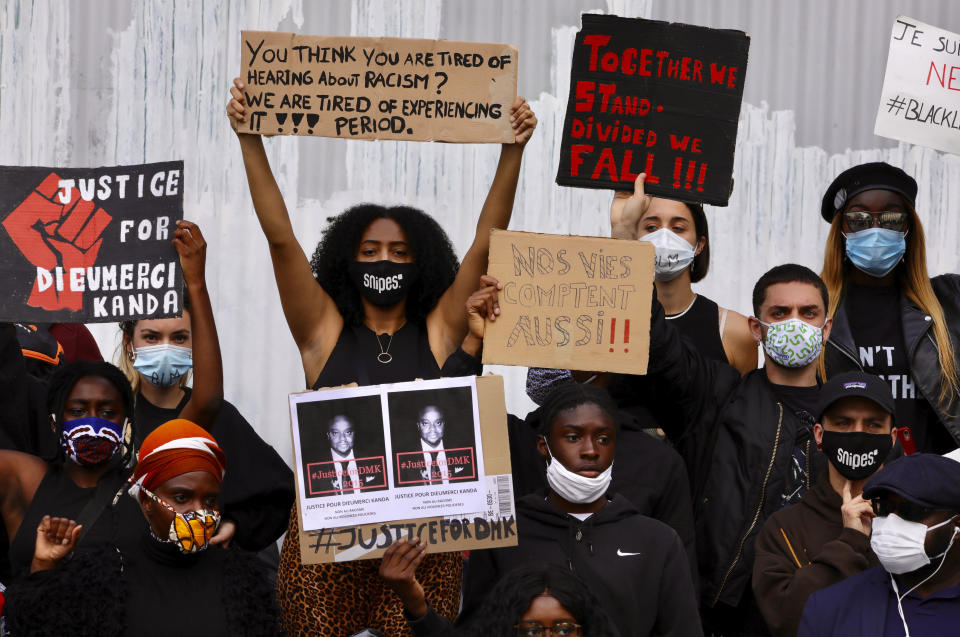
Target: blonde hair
[(913, 280), (124, 359)]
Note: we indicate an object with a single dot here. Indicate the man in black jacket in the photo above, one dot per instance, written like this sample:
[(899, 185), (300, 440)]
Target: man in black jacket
[(747, 441), (635, 565)]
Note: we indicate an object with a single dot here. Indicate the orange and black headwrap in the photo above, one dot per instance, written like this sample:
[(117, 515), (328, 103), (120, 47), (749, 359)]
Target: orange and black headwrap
[(174, 448)]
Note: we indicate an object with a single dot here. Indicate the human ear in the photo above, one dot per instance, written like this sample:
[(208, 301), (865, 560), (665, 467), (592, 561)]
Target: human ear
[(756, 330), (827, 326), (818, 435), (542, 448)]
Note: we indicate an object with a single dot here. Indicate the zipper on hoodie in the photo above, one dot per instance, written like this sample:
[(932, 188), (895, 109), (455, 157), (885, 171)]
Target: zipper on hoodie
[(756, 516)]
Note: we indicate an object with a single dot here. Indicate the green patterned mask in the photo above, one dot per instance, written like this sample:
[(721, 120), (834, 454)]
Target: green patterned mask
[(792, 343)]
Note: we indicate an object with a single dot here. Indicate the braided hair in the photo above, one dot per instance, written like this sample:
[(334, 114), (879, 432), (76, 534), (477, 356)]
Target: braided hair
[(516, 590), (61, 384), (570, 396)]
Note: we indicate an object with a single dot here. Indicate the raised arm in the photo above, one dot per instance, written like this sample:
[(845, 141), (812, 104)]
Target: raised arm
[(311, 314), (447, 324), (207, 396)]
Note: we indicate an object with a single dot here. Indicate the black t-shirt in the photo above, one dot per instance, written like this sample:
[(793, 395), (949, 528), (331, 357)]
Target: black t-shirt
[(877, 327), (802, 401)]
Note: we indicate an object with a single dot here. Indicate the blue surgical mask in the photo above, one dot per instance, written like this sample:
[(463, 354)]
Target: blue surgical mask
[(163, 365), (876, 251)]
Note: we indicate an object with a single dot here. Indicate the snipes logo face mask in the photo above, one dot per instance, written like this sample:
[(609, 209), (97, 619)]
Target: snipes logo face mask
[(383, 283), (90, 441), (856, 454)]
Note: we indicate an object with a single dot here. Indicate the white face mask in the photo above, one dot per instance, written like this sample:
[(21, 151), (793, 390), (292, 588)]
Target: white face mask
[(673, 253), (574, 487), (898, 543)]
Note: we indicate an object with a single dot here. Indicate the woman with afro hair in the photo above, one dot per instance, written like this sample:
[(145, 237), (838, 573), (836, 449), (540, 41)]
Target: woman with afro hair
[(381, 301)]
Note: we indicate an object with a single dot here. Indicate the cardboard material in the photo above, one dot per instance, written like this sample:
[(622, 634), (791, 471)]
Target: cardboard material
[(920, 101), (90, 245), (655, 97), (491, 528), (377, 88), (570, 302)]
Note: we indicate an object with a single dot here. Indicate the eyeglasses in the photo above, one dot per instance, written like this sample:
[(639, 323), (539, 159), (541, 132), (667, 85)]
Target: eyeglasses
[(559, 628), (858, 220), (909, 511)]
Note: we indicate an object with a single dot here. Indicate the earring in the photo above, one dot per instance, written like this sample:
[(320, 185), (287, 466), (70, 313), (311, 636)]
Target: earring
[(132, 355)]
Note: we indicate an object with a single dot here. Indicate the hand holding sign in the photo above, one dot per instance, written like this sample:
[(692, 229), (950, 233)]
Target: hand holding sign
[(399, 572), (482, 306), (627, 210), (523, 121), (51, 232)]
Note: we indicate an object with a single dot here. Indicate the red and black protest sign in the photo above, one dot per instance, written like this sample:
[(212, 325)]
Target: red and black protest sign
[(655, 97), (89, 245)]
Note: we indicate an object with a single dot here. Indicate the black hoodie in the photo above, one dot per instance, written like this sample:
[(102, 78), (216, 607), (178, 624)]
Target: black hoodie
[(635, 565)]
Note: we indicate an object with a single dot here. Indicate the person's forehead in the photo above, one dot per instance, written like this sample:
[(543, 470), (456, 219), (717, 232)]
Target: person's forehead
[(96, 388), (431, 413), (165, 325), (666, 210), (384, 230), (793, 294), (877, 197), (340, 424), (587, 416)]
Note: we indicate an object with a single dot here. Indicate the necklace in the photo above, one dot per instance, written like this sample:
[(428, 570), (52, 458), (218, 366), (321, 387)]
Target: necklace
[(384, 355)]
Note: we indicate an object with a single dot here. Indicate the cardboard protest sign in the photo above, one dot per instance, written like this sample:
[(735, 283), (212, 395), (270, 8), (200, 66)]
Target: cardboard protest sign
[(920, 102), (570, 302), (489, 526), (90, 245), (654, 97), (378, 88)]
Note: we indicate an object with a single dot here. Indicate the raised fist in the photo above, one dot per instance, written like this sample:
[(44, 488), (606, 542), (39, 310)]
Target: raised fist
[(50, 234)]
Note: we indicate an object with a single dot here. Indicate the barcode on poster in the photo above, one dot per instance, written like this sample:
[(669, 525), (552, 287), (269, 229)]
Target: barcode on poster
[(505, 495)]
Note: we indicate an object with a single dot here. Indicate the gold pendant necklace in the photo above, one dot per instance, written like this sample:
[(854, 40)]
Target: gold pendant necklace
[(384, 355)]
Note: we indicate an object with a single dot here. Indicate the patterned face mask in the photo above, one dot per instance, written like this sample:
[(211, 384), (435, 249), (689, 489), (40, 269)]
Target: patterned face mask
[(191, 531), (792, 343), (90, 441)]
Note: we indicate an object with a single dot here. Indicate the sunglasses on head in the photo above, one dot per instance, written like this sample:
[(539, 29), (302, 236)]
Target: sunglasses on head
[(559, 628), (858, 220), (909, 511)]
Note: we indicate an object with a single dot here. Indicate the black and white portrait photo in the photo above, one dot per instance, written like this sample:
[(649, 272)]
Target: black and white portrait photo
[(433, 436), (342, 446)]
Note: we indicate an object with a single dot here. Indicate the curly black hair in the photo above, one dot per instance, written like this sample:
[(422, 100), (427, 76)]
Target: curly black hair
[(570, 396), (433, 254), (515, 591), (64, 378)]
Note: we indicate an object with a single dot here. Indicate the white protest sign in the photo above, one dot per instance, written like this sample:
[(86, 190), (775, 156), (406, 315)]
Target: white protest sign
[(920, 101), (382, 453)]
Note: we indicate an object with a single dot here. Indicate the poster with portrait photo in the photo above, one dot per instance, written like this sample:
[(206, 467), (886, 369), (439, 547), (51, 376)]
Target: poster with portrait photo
[(433, 436), (345, 440), (341, 452)]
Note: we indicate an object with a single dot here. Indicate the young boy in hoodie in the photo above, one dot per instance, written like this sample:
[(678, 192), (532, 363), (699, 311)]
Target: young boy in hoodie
[(825, 538), (635, 565)]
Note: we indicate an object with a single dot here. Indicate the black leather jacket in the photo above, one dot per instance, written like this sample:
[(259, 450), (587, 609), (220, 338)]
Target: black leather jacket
[(921, 347)]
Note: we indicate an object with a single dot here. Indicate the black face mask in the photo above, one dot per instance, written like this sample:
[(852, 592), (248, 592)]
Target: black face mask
[(383, 283), (856, 454)]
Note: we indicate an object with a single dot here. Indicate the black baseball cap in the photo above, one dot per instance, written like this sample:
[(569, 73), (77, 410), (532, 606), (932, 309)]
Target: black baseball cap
[(876, 175), (923, 478), (855, 384)]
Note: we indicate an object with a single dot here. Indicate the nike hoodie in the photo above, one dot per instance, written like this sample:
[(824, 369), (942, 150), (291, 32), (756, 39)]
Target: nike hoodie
[(636, 566)]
